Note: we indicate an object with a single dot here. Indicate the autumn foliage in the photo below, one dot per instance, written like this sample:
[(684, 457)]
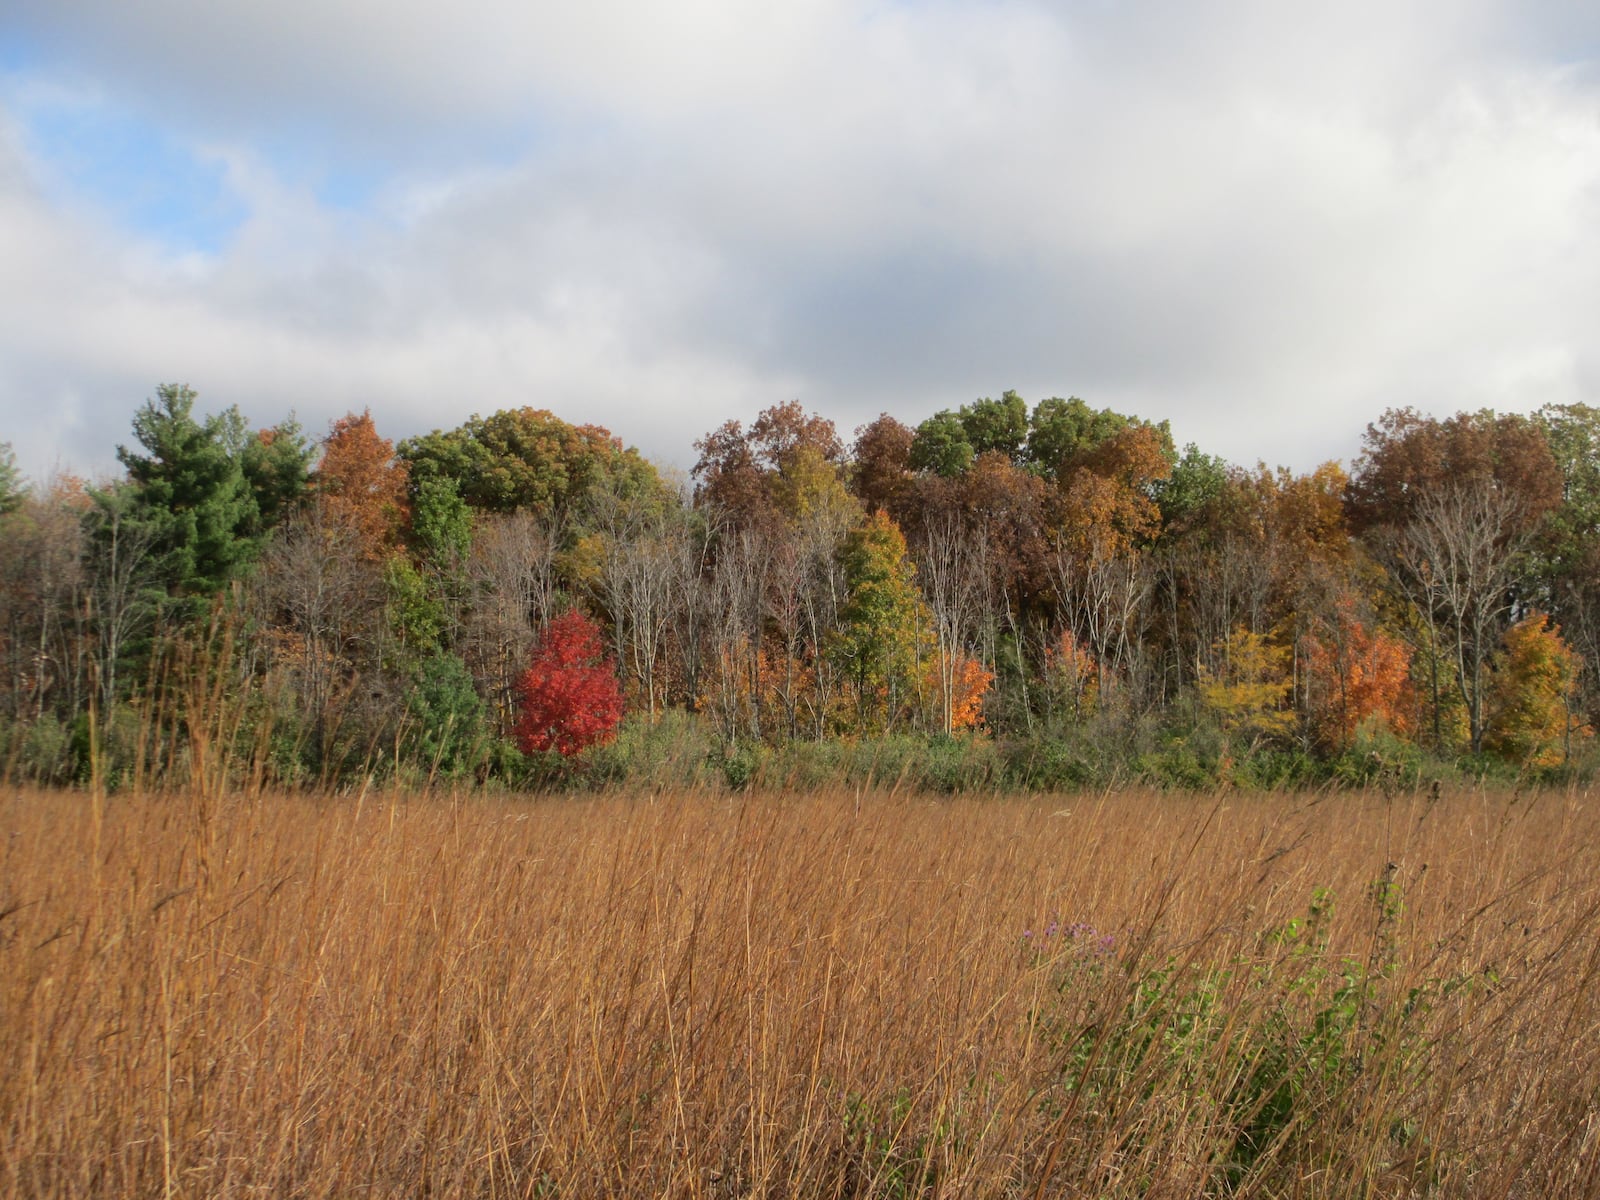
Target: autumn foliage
[(362, 485), (1059, 579), (1250, 687), (970, 682), (1530, 719), (569, 698), (1357, 674), (1071, 668)]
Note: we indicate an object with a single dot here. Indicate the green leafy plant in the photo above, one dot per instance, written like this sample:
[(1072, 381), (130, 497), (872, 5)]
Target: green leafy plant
[(1286, 1044)]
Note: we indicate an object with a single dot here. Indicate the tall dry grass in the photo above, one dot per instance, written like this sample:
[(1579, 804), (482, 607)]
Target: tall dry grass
[(833, 995)]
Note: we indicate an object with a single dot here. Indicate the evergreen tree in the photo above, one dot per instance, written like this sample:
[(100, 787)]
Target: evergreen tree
[(12, 491), (277, 467), (446, 732), (191, 491)]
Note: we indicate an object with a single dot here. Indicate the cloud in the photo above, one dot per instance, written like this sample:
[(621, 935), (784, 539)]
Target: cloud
[(1265, 224)]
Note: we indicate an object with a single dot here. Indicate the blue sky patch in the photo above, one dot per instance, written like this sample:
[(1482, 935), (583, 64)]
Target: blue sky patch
[(146, 180)]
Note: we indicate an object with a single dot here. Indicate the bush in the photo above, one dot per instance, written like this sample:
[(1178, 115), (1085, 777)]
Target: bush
[(1192, 761), (1051, 764), (961, 764), (739, 763), (1273, 767), (672, 751), (46, 751), (1379, 756)]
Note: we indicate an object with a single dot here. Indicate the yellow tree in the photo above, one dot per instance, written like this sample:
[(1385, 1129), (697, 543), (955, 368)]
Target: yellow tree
[(1249, 691), (1530, 716), (882, 623)]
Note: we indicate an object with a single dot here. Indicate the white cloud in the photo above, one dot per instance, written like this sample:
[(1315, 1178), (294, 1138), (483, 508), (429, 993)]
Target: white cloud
[(1265, 223)]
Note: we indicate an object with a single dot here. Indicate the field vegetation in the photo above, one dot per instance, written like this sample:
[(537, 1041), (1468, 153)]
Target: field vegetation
[(841, 993)]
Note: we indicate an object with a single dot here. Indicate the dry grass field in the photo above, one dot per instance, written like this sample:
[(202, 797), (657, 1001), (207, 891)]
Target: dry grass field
[(800, 996)]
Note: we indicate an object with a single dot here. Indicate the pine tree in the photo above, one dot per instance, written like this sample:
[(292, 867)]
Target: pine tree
[(191, 491)]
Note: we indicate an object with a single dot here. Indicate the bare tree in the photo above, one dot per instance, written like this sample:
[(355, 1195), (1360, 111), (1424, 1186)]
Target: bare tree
[(637, 580), (120, 579), (1103, 593), (511, 574), (738, 598), (1211, 585), (953, 572), (41, 581), (324, 596), (817, 536), (1457, 561)]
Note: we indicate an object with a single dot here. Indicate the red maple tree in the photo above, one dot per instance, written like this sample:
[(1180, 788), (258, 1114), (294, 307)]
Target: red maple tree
[(568, 697)]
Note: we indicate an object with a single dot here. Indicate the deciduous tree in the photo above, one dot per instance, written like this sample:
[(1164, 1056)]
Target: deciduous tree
[(569, 698), (526, 458), (363, 485), (880, 475), (1458, 560), (1357, 673), (1249, 689), (882, 622), (1530, 718)]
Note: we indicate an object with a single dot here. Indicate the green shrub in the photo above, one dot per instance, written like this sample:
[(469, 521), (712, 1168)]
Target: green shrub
[(46, 751), (1052, 764), (739, 763), (967, 763), (1276, 768), (1290, 1046), (1190, 760), (1378, 756), (672, 751)]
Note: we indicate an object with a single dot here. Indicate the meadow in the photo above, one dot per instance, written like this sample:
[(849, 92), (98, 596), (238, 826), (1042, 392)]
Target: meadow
[(834, 994)]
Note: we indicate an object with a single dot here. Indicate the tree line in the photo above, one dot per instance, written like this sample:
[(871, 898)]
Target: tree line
[(1045, 594)]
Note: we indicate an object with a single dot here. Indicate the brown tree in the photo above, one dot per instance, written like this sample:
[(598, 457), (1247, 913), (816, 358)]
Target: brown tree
[(511, 574), (880, 471), (750, 478), (1407, 457), (362, 485)]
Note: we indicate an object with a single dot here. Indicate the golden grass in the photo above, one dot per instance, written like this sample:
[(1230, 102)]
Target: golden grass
[(830, 995)]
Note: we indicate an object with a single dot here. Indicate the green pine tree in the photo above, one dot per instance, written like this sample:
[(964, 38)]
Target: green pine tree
[(191, 492)]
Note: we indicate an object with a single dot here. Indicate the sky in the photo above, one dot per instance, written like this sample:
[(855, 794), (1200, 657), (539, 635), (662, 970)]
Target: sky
[(1263, 222)]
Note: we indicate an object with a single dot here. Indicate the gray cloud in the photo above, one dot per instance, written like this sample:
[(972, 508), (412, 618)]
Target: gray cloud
[(1264, 223)]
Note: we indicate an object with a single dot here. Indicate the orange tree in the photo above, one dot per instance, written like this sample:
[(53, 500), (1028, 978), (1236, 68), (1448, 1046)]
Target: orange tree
[(361, 484), (1356, 673)]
